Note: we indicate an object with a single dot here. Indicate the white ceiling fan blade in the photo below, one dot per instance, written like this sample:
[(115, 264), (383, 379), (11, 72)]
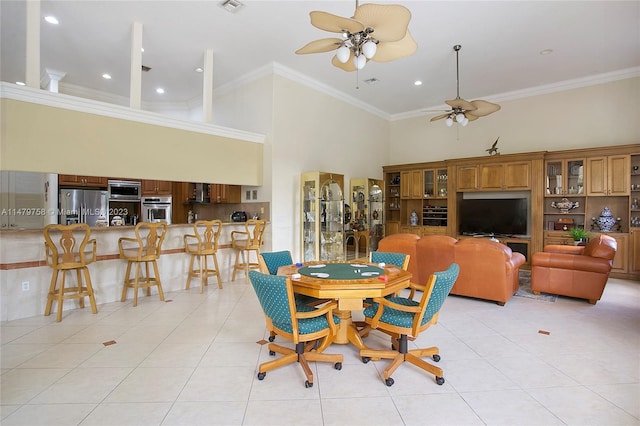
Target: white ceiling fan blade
[(461, 103), (334, 23), (391, 50), (484, 108), (390, 22), (319, 46), (440, 117)]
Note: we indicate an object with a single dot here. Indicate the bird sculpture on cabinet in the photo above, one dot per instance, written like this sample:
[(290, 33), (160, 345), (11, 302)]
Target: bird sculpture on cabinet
[(494, 148)]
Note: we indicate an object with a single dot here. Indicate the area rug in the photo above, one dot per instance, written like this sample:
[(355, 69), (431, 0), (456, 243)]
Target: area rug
[(525, 289)]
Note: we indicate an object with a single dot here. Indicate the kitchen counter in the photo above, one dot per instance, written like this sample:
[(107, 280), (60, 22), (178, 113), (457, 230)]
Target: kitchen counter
[(22, 255)]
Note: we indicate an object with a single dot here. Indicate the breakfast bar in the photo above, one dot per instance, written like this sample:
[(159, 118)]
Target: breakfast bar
[(25, 277)]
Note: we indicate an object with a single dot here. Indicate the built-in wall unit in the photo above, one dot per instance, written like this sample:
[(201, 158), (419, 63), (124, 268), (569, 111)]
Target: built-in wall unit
[(524, 200)]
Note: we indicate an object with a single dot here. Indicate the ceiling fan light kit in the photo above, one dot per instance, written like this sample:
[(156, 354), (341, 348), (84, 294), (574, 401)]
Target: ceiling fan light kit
[(358, 44), (462, 111)]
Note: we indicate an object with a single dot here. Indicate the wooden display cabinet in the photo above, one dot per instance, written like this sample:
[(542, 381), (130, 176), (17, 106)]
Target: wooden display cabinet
[(322, 216), (608, 175), (411, 185), (367, 213)]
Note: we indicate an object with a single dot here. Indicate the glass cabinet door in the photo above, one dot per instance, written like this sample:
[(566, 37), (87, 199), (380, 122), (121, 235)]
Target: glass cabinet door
[(376, 213), (564, 177), (331, 221), (442, 179), (309, 225)]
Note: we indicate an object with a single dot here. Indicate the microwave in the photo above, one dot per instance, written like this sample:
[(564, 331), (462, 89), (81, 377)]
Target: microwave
[(125, 190)]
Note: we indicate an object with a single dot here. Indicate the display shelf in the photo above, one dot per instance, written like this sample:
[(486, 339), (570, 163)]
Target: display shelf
[(322, 216)]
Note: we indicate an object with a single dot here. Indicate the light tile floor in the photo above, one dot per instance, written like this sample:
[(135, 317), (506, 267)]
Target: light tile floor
[(192, 360)]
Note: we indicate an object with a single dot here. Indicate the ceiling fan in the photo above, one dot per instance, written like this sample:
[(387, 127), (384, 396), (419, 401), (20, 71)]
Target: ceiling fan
[(463, 111), (376, 32)]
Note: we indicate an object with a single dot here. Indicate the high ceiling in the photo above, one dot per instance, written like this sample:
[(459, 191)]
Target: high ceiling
[(501, 43)]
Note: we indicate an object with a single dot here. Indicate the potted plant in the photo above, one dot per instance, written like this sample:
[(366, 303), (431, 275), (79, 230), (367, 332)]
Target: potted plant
[(579, 235)]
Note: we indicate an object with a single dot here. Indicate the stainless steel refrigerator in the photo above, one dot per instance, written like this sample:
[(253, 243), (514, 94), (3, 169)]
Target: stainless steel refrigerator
[(83, 206)]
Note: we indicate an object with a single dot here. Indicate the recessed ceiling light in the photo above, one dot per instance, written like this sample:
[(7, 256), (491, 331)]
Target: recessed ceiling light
[(546, 51), (231, 5), (160, 90), (106, 76), (417, 83), (199, 69), (51, 20), (20, 83)]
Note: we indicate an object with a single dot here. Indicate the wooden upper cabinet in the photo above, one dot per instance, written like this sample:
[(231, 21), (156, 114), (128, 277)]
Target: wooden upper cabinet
[(515, 175), (411, 184), (608, 175), (221, 193), (467, 178), (156, 187), (77, 180)]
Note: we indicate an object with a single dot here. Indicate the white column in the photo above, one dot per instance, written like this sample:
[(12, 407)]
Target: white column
[(207, 87), (135, 88), (54, 77), (33, 44), (51, 198)]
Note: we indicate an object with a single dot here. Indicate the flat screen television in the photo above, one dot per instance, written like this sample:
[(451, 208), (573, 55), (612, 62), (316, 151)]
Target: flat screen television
[(504, 216)]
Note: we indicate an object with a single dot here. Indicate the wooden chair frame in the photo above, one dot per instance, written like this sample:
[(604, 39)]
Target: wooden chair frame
[(245, 242), (200, 245), (63, 257), (144, 248)]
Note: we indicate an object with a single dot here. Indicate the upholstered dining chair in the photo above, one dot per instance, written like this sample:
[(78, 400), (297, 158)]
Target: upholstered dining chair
[(68, 248), (400, 317), (144, 249), (269, 263), (245, 242), (310, 329), (203, 243)]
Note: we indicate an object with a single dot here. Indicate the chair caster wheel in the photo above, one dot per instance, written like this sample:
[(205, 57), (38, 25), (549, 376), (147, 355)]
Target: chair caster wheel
[(436, 358), (338, 366), (261, 376), (272, 338), (272, 353), (440, 380), (389, 381), (365, 359), (308, 384)]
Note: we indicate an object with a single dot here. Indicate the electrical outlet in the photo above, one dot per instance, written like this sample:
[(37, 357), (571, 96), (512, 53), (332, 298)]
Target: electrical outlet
[(25, 286)]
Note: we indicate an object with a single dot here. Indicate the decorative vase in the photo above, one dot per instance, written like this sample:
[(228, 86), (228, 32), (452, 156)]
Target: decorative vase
[(414, 218), (606, 220)]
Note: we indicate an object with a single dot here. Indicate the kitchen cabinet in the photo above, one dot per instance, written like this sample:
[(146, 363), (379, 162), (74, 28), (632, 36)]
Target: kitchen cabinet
[(221, 193), (77, 180), (156, 187), (322, 216), (411, 186), (608, 175)]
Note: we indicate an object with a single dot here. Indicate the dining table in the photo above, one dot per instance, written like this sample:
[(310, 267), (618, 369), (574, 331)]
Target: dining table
[(349, 283)]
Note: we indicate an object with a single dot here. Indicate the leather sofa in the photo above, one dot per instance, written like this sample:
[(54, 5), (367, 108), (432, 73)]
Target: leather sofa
[(574, 271), (488, 270)]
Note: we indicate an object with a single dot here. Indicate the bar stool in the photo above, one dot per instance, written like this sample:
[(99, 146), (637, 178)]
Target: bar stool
[(203, 243), (144, 248), (64, 255), (245, 242)]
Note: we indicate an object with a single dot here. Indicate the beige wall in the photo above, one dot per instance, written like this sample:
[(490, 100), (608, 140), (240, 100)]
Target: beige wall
[(48, 139), (600, 115)]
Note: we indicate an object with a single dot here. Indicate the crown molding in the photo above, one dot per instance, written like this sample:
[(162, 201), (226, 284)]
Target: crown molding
[(561, 86), (60, 100)]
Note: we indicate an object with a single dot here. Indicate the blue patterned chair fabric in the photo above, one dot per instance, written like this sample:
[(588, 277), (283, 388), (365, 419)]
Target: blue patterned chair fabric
[(401, 317), (276, 259), (299, 323), (388, 258)]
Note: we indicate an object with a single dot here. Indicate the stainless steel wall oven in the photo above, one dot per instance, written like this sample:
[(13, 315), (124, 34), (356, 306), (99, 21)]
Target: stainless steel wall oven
[(156, 209)]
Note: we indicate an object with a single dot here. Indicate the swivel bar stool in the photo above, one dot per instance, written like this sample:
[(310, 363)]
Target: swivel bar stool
[(202, 243), (64, 255)]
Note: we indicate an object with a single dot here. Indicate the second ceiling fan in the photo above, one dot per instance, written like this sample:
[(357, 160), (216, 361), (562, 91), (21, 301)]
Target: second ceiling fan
[(463, 111)]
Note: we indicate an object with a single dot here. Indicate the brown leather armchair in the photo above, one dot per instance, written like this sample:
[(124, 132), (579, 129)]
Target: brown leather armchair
[(574, 271)]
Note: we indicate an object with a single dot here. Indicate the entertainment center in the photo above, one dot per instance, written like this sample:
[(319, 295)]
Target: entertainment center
[(521, 199)]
